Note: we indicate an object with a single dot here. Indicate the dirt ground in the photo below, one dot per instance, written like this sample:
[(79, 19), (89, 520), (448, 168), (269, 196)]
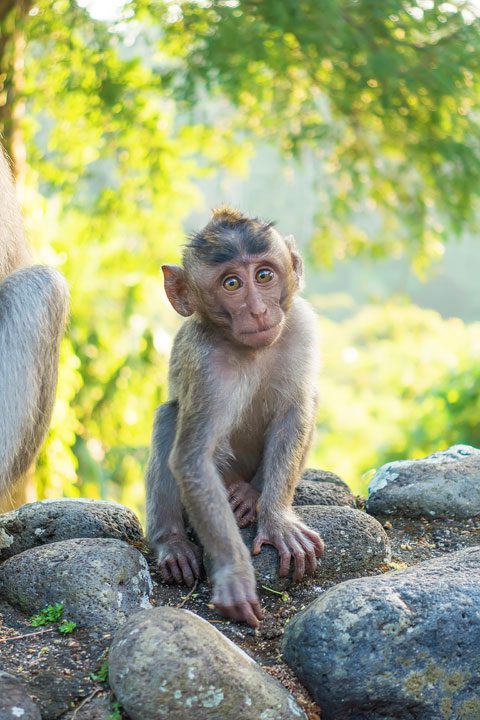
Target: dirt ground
[(57, 669)]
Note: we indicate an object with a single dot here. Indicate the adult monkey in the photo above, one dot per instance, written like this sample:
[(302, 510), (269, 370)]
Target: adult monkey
[(239, 422), (33, 310)]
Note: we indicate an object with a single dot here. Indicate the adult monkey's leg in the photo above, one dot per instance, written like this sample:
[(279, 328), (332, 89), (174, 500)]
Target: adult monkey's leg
[(33, 310)]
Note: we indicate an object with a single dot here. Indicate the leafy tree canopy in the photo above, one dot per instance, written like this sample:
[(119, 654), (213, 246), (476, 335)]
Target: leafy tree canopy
[(386, 93)]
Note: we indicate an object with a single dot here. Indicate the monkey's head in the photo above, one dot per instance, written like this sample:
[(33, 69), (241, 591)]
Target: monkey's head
[(239, 275)]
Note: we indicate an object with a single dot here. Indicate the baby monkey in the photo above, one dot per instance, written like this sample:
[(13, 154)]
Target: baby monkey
[(230, 444)]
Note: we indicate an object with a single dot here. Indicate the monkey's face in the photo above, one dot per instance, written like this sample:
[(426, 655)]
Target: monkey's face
[(240, 280), (246, 299)]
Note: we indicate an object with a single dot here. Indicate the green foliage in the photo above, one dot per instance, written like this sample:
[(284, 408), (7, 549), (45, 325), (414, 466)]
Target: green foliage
[(116, 712), (53, 614), (386, 94), (50, 614), (67, 626), (398, 382), (102, 674)]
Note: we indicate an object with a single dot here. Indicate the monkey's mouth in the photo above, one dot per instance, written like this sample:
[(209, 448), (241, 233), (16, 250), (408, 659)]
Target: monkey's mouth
[(262, 338), (263, 331)]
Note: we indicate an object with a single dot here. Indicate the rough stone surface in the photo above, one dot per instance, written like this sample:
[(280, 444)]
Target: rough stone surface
[(445, 484), (404, 645), (324, 476), (354, 543), (98, 708), (100, 581), (50, 521), (168, 663), (14, 700), (315, 492)]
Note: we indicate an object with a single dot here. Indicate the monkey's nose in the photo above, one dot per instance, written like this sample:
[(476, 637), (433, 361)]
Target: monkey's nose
[(258, 311)]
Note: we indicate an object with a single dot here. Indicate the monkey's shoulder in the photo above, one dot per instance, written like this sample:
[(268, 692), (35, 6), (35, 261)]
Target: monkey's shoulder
[(191, 351), (194, 340), (302, 324)]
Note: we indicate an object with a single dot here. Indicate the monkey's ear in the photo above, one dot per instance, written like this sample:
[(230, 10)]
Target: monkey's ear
[(297, 261), (176, 288)]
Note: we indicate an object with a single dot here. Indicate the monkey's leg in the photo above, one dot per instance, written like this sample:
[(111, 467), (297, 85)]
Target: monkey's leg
[(282, 462), (179, 559), (33, 310), (205, 498)]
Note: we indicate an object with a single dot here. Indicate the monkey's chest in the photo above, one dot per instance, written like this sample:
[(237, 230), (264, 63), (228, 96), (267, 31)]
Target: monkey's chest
[(246, 439)]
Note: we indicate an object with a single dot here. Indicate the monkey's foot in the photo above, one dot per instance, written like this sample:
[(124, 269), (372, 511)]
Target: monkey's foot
[(179, 560), (235, 597), (243, 500), (292, 539)]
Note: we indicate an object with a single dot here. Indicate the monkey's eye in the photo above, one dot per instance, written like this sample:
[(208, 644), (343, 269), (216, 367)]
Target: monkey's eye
[(231, 283), (264, 275)]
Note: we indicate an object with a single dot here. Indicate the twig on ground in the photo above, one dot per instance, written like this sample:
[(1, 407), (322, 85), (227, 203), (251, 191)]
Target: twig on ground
[(187, 597), (27, 635), (86, 700)]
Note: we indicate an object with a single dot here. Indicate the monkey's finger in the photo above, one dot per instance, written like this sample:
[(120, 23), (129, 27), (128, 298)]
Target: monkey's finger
[(299, 561), (257, 609), (243, 514), (285, 558), (247, 518), (165, 573), (195, 564), (310, 561), (229, 611), (234, 493), (318, 543), (250, 613), (232, 489), (235, 502), (258, 542), (175, 570), (186, 570), (310, 556)]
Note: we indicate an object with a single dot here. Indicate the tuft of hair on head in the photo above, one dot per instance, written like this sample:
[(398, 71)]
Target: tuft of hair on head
[(227, 235), (224, 213)]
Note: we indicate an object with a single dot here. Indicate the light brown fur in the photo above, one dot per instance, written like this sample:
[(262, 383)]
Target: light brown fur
[(241, 412)]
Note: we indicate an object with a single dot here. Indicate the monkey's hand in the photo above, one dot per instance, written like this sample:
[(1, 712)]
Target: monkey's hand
[(292, 538), (179, 560), (243, 500), (235, 595)]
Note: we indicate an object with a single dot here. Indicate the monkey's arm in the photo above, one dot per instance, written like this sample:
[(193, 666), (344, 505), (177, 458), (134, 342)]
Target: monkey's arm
[(284, 454), (178, 558), (33, 310), (193, 465)]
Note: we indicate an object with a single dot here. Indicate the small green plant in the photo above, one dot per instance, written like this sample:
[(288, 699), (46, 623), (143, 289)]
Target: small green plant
[(67, 626), (102, 673), (50, 614), (116, 712), (53, 614), (284, 595)]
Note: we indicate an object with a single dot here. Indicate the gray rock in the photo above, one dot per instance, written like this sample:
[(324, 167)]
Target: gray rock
[(49, 521), (100, 581), (354, 543), (445, 484), (14, 700), (98, 708), (168, 663), (324, 476), (404, 645), (315, 492)]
